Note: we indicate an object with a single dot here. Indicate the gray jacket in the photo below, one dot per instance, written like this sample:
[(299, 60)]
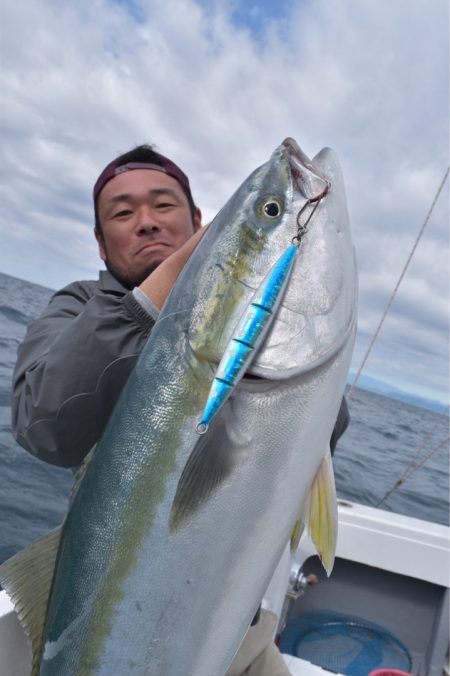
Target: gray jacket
[(72, 366)]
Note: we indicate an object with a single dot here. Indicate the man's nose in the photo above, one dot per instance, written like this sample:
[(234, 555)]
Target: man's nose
[(147, 221)]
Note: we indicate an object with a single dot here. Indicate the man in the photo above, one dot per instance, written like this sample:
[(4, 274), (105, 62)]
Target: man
[(77, 356)]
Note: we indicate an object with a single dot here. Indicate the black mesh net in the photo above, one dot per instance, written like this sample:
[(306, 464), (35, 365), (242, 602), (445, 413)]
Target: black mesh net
[(344, 643)]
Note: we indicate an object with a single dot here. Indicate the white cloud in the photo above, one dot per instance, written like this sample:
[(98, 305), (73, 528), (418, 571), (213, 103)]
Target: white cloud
[(82, 82)]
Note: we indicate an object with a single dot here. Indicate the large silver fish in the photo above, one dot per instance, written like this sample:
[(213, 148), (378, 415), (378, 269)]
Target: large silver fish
[(172, 537)]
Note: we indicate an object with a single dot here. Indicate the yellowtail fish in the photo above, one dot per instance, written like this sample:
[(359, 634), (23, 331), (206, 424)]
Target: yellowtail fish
[(172, 537)]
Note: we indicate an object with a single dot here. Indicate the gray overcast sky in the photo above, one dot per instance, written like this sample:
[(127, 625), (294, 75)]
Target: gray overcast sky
[(216, 86)]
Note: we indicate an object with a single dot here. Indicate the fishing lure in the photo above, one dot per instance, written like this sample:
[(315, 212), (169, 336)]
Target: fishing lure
[(254, 324)]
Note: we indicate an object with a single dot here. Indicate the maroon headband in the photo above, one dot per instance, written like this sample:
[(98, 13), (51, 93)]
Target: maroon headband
[(166, 166)]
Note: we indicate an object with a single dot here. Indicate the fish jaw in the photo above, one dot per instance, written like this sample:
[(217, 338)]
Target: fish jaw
[(308, 176)]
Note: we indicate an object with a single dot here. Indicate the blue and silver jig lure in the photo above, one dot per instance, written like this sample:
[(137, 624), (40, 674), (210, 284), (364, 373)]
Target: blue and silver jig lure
[(253, 325)]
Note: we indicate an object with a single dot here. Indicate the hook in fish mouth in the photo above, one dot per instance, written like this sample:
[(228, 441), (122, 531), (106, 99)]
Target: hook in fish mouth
[(309, 178), (302, 228)]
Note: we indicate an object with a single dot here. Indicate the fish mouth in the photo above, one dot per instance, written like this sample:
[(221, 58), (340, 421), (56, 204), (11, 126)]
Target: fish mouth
[(307, 176)]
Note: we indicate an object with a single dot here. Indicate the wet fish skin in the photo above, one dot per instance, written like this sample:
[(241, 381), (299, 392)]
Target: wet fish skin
[(171, 539)]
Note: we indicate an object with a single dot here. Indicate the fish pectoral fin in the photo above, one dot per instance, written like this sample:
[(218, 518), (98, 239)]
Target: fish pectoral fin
[(322, 513), (27, 578), (213, 459)]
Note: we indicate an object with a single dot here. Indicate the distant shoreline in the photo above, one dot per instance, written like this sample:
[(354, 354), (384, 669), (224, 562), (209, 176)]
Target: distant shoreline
[(384, 389)]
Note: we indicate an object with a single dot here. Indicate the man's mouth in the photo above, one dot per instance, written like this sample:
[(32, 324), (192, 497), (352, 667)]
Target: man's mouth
[(150, 245)]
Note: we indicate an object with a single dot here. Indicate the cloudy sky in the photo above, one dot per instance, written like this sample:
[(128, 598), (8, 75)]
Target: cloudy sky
[(216, 85)]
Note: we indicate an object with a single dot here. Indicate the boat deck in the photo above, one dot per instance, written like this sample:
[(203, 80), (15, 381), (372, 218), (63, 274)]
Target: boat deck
[(391, 571)]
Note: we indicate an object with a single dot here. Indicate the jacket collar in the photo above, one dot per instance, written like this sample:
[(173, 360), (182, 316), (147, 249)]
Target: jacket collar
[(107, 282)]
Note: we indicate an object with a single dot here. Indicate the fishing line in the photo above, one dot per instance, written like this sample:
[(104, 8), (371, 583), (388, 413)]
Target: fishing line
[(412, 466), (410, 471), (394, 293), (428, 437)]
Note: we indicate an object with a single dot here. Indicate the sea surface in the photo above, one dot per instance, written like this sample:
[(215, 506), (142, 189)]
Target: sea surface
[(384, 437)]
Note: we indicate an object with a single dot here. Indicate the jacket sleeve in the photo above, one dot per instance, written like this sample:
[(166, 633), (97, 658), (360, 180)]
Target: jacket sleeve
[(71, 368)]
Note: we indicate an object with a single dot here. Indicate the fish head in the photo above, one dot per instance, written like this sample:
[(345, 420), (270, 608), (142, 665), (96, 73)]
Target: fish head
[(317, 316), (248, 236)]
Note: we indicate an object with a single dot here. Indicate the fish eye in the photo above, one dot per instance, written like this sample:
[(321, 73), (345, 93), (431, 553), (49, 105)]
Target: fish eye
[(271, 207)]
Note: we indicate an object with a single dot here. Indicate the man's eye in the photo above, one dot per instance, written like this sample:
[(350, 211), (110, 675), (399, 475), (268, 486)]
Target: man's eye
[(164, 205), (123, 213)]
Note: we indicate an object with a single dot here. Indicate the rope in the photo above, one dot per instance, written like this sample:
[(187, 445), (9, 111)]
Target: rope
[(391, 299)]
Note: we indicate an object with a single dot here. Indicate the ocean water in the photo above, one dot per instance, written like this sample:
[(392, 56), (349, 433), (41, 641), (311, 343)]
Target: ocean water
[(382, 440)]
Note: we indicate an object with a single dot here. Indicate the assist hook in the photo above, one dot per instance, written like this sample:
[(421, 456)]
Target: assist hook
[(303, 227)]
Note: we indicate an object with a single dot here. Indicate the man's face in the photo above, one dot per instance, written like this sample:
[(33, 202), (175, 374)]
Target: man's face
[(145, 217)]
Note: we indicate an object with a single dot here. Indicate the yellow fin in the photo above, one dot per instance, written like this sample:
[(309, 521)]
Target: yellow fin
[(297, 531), (296, 535), (322, 517), (27, 578)]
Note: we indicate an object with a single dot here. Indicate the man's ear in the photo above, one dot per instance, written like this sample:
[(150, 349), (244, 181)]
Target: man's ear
[(197, 219), (101, 244)]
